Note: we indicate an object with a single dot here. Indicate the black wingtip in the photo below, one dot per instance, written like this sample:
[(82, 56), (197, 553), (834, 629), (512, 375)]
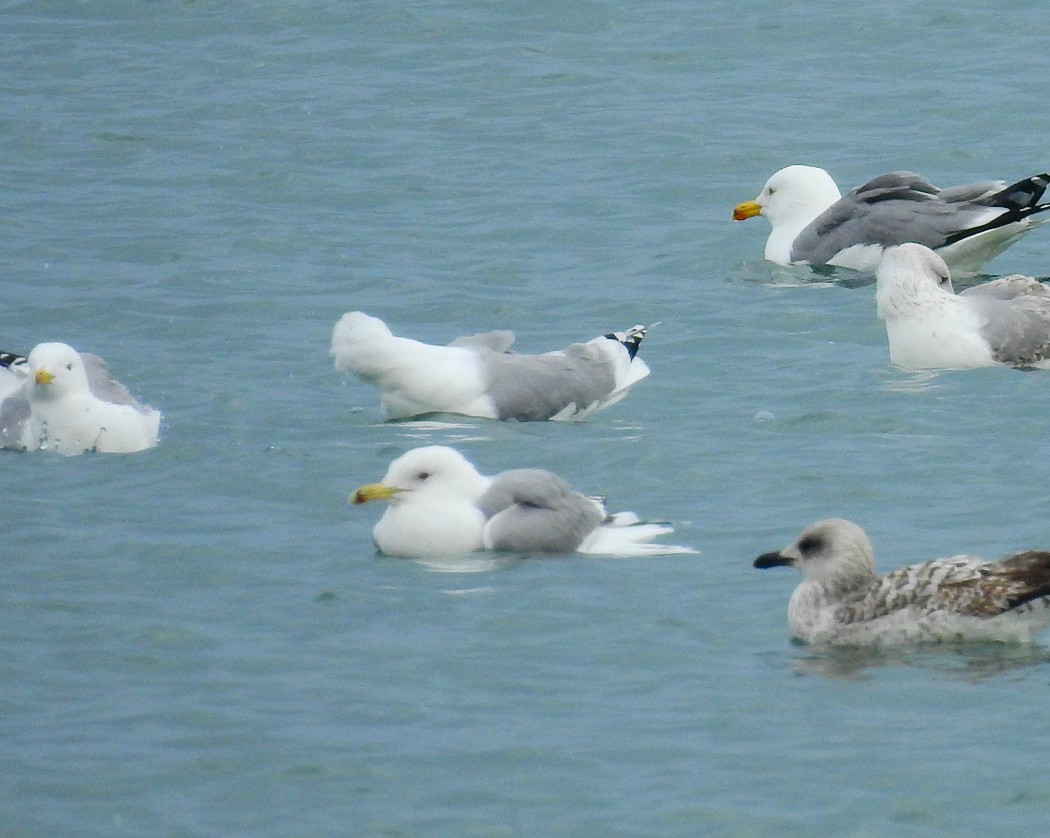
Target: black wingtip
[(1032, 570), (11, 359), (1023, 195), (631, 339), (1020, 200)]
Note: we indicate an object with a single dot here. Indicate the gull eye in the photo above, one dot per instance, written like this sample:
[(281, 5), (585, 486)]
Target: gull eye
[(69, 367), (809, 544), (423, 475)]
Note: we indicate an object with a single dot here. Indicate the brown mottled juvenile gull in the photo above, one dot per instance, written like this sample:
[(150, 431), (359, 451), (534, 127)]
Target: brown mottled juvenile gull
[(967, 224), (929, 326), (441, 506), (842, 601), (477, 375), (67, 402)]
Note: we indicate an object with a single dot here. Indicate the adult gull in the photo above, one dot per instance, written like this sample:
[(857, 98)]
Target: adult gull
[(842, 601), (440, 505), (477, 375), (929, 326), (67, 402), (812, 223)]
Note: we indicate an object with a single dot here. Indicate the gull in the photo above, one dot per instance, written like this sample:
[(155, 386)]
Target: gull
[(929, 326), (476, 375), (12, 373), (67, 402), (968, 224), (842, 601), (440, 505)]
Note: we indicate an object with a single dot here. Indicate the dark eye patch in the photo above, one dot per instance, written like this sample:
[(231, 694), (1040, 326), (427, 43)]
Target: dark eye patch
[(810, 544)]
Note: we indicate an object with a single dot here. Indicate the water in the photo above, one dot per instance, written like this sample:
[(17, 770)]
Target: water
[(200, 639)]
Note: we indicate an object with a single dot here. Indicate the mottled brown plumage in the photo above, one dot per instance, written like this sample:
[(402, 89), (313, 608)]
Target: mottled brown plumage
[(842, 599)]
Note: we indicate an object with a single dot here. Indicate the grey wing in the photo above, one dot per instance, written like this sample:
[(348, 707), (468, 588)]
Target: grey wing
[(972, 191), (103, 386), (15, 411), (891, 209), (498, 341), (1017, 330), (1008, 287), (537, 387), (535, 510)]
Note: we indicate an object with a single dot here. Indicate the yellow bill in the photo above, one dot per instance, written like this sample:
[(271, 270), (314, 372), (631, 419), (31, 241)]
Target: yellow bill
[(372, 491), (746, 210)]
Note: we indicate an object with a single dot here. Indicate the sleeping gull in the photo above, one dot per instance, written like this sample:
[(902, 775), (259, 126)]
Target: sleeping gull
[(441, 506), (929, 326), (967, 225), (842, 601), (67, 402), (477, 376)]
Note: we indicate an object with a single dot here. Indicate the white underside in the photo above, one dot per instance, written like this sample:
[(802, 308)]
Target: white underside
[(923, 343), (84, 423), (431, 529), (906, 627), (859, 257)]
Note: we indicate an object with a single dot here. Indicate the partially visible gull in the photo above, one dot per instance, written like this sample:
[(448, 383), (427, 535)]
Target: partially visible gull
[(477, 375), (929, 326), (842, 601), (67, 402), (13, 373), (441, 506), (967, 224)]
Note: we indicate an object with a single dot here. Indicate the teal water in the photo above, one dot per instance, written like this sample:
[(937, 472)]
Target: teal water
[(201, 640)]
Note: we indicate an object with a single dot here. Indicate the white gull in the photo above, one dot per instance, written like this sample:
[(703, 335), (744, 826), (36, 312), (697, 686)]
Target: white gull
[(440, 505), (929, 326), (968, 224), (842, 601), (67, 402), (476, 375)]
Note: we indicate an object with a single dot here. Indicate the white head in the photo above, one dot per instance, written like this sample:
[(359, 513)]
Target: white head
[(794, 196), (57, 371), (431, 471), (908, 273), (790, 200), (433, 493), (357, 343), (834, 552)]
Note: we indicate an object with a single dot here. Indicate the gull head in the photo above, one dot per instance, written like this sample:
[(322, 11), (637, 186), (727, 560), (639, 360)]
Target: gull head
[(916, 263), (833, 552), (433, 471), (794, 196), (910, 274), (361, 345), (57, 370)]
